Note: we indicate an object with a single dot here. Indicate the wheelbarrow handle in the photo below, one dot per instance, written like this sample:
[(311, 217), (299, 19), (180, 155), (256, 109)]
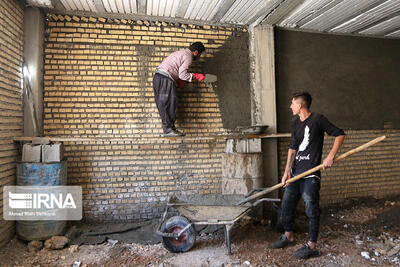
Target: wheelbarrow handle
[(265, 200), (255, 190), (317, 168)]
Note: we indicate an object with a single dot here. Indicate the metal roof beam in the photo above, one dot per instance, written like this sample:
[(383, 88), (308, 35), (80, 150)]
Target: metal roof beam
[(318, 13), (57, 5), (141, 7), (397, 32), (99, 6), (223, 8), (259, 16), (282, 11), (391, 31), (378, 22), (182, 7), (356, 14)]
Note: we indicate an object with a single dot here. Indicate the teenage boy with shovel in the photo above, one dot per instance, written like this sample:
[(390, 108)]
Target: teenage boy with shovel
[(305, 152)]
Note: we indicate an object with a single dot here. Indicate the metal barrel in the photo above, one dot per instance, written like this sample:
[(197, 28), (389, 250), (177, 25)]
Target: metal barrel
[(241, 172), (41, 174)]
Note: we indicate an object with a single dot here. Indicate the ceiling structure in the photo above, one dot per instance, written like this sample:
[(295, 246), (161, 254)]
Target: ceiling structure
[(380, 18)]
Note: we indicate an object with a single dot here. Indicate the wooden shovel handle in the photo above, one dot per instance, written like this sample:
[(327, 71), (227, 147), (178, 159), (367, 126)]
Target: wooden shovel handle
[(317, 168)]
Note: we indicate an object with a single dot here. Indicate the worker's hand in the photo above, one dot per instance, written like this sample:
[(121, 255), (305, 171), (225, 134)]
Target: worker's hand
[(180, 83), (199, 76), (328, 162), (285, 177)]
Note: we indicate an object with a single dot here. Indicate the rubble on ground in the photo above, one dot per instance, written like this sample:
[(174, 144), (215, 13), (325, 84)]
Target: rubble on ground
[(56, 242), (35, 245), (371, 238)]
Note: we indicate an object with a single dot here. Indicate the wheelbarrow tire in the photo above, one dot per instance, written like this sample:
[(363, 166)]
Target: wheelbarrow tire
[(185, 242)]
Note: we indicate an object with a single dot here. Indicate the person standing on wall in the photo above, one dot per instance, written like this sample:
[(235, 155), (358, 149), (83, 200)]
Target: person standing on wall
[(305, 152), (172, 73)]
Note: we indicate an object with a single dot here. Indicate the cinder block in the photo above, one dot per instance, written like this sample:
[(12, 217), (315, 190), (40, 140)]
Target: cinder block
[(31, 153), (52, 152), (243, 145)]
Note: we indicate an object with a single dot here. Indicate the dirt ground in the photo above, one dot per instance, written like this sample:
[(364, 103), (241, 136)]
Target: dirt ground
[(361, 232)]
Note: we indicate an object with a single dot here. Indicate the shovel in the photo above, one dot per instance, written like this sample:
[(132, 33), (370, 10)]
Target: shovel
[(310, 171)]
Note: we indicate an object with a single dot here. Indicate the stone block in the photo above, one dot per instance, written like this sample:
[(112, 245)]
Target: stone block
[(252, 145), (52, 152), (31, 153), (242, 165), (240, 186)]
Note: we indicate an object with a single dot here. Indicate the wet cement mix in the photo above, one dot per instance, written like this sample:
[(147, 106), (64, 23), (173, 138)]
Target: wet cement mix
[(360, 232)]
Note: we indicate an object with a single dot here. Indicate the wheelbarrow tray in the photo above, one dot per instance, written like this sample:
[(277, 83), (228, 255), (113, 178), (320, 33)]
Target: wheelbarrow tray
[(210, 208), (202, 210)]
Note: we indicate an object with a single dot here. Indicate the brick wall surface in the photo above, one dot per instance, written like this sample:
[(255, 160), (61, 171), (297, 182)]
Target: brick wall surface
[(373, 172), (11, 56), (98, 83)]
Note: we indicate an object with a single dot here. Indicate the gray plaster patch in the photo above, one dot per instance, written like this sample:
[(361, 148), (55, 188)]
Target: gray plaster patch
[(231, 66)]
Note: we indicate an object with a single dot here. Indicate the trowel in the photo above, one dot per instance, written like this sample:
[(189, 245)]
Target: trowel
[(210, 78)]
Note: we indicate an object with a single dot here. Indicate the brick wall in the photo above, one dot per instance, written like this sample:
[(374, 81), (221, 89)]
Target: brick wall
[(98, 83), (11, 56), (373, 172)]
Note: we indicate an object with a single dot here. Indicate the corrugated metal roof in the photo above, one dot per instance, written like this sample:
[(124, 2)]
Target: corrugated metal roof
[(384, 27), (304, 11), (340, 12), (265, 6), (395, 34), (369, 17)]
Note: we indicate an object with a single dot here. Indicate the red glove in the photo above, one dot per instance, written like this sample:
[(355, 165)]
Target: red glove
[(180, 83), (199, 76)]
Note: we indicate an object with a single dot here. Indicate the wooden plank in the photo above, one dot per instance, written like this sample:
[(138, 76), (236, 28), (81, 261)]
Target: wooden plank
[(187, 138)]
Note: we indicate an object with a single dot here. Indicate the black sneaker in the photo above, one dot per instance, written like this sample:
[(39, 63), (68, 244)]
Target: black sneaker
[(174, 133), (282, 242), (179, 132), (306, 252)]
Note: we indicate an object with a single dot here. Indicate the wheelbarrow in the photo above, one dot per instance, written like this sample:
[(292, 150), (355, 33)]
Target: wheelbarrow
[(178, 232)]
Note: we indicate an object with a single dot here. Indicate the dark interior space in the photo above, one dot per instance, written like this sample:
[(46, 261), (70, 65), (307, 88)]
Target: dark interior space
[(353, 80)]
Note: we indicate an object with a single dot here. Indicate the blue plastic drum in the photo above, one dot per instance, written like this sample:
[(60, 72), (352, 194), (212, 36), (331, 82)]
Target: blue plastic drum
[(41, 174)]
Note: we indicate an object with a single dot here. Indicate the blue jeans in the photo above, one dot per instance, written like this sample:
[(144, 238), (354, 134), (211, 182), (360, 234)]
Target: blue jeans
[(308, 189)]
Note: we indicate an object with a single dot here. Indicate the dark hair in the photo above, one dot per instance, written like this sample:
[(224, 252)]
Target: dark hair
[(305, 97), (197, 46)]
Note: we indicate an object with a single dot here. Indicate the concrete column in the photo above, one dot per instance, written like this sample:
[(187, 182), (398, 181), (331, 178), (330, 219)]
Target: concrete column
[(263, 104), (33, 60)]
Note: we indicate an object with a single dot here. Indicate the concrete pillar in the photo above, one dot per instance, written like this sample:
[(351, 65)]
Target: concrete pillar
[(33, 60), (263, 104)]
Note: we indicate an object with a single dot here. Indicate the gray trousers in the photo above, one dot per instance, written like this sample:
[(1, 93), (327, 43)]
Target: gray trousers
[(165, 97)]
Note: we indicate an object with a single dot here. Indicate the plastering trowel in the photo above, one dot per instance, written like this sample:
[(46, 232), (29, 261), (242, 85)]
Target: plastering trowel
[(210, 78)]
